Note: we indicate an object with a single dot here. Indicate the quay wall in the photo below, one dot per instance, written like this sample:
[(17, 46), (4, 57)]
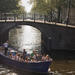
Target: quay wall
[(4, 30)]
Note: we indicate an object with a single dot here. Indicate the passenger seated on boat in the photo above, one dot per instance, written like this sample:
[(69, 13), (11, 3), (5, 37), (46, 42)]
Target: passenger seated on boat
[(33, 60), (17, 56), (43, 57), (10, 55), (33, 53), (12, 52), (21, 60), (35, 57), (48, 58), (24, 54), (38, 57), (27, 59)]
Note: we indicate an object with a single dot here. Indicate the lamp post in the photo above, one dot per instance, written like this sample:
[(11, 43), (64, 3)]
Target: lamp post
[(51, 12), (68, 12), (5, 16), (34, 11)]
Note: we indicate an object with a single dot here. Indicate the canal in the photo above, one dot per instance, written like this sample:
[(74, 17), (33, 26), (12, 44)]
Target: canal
[(29, 38), (25, 37)]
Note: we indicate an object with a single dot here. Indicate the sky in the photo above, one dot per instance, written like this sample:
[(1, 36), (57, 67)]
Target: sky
[(27, 6)]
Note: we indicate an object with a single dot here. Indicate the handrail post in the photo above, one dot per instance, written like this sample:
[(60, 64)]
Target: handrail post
[(23, 17), (5, 17), (44, 18), (14, 17), (34, 17), (69, 9), (0, 15)]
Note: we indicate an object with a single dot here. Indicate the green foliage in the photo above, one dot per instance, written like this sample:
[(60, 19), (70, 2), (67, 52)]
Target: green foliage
[(73, 3), (45, 6), (10, 5), (19, 11), (41, 6)]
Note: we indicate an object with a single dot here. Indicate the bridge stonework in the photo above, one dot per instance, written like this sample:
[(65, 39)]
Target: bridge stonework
[(53, 37)]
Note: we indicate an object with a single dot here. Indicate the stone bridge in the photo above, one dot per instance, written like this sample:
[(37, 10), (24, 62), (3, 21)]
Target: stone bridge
[(54, 38)]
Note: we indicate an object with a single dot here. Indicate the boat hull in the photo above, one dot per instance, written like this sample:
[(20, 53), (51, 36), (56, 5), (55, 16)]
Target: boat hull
[(38, 67)]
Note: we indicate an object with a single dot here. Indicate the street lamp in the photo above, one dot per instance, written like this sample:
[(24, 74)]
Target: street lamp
[(68, 12), (34, 10)]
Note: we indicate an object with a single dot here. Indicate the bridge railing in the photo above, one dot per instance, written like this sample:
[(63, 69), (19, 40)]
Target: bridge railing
[(5, 17), (51, 18)]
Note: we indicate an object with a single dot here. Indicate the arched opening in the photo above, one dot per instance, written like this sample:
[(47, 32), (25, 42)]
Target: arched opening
[(25, 37)]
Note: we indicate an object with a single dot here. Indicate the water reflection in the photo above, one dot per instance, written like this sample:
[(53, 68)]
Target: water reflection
[(4, 70), (63, 67), (26, 37)]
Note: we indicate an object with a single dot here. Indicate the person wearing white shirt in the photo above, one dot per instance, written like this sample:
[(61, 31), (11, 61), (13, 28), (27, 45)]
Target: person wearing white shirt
[(6, 47)]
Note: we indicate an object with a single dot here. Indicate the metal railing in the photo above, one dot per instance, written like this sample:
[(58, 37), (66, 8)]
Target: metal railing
[(51, 18), (5, 17)]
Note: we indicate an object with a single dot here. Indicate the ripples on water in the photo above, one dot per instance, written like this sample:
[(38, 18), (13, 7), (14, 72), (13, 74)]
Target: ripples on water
[(66, 67), (63, 67), (8, 71)]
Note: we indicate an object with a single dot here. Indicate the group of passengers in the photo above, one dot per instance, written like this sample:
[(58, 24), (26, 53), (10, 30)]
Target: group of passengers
[(34, 57)]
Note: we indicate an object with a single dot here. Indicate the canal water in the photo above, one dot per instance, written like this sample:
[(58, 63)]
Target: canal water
[(25, 37), (29, 38)]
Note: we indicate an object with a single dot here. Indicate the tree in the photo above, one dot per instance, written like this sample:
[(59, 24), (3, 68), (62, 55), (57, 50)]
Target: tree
[(10, 5), (40, 6), (47, 7), (60, 4)]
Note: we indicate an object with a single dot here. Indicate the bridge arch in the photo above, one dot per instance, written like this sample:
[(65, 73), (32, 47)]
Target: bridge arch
[(60, 38)]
